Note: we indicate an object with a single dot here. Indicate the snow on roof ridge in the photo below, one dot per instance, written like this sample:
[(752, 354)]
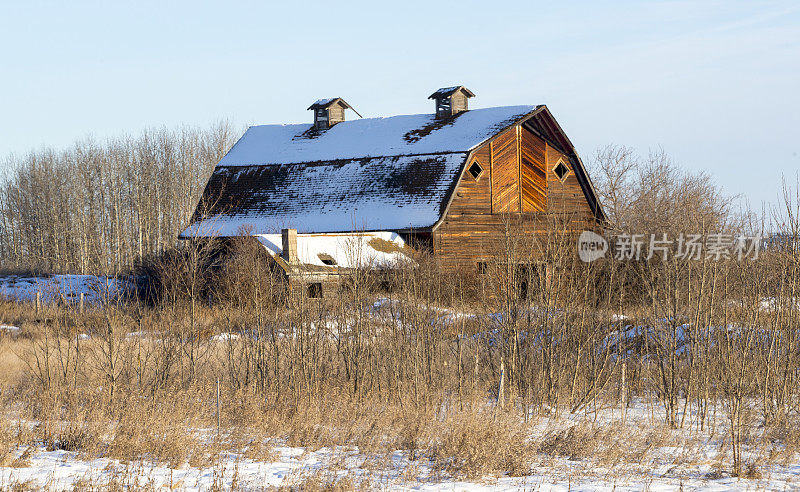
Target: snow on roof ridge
[(364, 158), (432, 115), (399, 135)]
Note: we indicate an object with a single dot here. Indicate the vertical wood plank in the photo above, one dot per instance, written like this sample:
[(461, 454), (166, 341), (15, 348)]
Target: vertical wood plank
[(519, 170), (505, 173)]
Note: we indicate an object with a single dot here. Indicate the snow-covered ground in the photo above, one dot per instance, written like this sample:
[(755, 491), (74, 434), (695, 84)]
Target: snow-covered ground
[(9, 330), (65, 288), (60, 470), (677, 460)]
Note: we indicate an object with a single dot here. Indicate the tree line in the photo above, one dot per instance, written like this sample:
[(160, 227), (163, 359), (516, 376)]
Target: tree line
[(99, 207)]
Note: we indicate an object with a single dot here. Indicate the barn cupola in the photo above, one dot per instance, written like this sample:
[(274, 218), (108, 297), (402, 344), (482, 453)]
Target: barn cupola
[(451, 100), (328, 112)]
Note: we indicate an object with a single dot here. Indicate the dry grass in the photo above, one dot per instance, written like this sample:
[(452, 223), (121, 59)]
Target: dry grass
[(575, 442), (18, 486), (176, 426), (323, 480), (11, 361), (477, 444), (608, 444), (335, 374), (160, 438)]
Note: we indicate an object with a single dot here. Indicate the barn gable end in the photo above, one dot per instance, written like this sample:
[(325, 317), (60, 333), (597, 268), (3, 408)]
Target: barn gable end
[(518, 189)]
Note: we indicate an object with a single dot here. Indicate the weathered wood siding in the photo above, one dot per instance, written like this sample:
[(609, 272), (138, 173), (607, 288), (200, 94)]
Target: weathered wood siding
[(518, 192), (466, 233), (566, 200), (533, 175), (335, 114), (458, 102), (505, 172)]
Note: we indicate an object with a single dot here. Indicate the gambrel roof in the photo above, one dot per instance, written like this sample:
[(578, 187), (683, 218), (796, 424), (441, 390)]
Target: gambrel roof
[(372, 174)]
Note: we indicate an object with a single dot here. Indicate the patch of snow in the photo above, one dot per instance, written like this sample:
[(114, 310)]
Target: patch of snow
[(67, 288), (444, 91), (225, 337), (323, 102), (137, 334), (773, 304)]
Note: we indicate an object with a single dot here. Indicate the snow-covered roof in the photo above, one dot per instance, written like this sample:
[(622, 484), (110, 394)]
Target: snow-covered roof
[(384, 193), (323, 102), (371, 137), (356, 250), (371, 174), (449, 91)]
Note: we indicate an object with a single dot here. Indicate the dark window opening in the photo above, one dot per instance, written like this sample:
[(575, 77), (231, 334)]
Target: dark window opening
[(529, 279), (483, 268), (475, 169), (561, 170), (444, 104), (327, 259), (315, 290)]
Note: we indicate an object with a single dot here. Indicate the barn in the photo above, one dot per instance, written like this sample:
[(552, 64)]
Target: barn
[(334, 195)]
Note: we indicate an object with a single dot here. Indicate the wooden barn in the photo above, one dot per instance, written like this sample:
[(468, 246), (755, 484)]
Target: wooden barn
[(335, 194)]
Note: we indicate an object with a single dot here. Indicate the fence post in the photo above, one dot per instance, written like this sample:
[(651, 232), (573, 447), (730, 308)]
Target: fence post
[(624, 393), (475, 374), (80, 304), (501, 397), (218, 409), (38, 301)]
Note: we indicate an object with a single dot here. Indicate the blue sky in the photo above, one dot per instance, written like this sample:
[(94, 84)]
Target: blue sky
[(715, 84)]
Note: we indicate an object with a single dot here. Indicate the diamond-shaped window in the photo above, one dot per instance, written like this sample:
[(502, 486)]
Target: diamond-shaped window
[(561, 170), (475, 170)]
